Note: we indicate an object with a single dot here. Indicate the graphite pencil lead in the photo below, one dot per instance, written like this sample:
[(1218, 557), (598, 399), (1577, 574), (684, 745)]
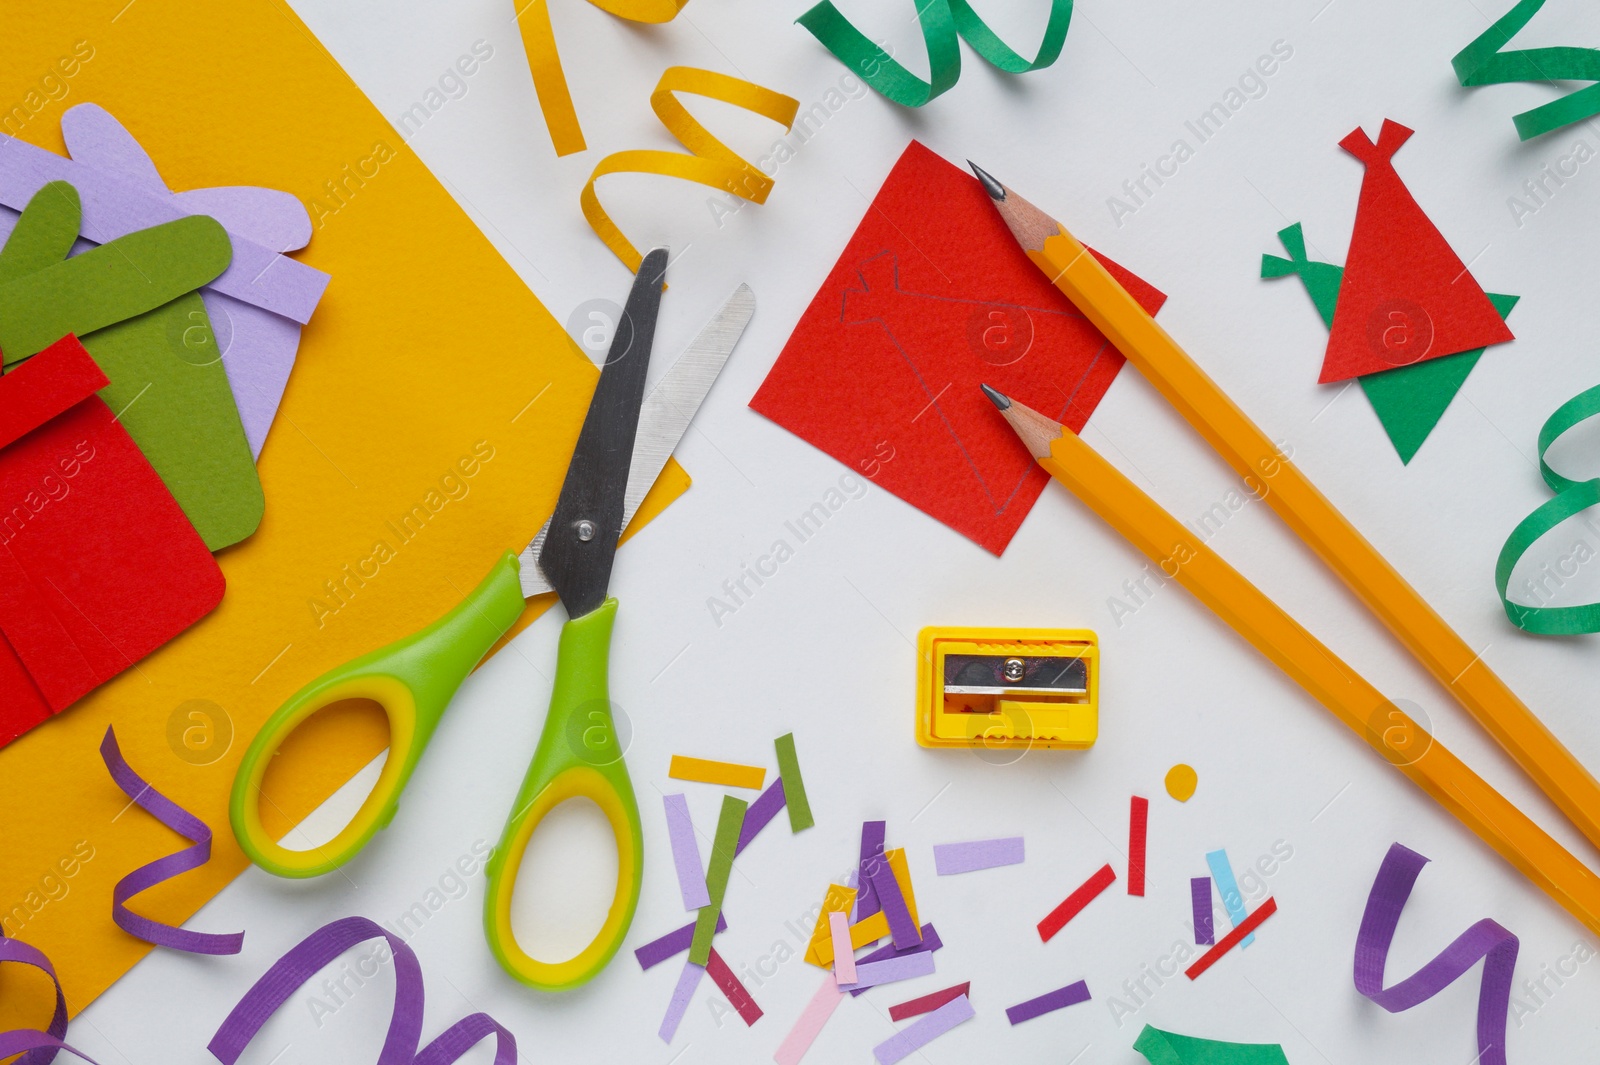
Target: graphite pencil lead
[(996, 191), (1000, 400)]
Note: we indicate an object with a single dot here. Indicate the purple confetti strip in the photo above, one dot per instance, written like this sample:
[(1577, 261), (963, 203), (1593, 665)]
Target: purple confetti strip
[(686, 853), (762, 811), (930, 943), (184, 824), (674, 942), (1486, 939), (952, 858), (890, 970), (1205, 929), (688, 980), (1059, 999), (872, 836), (303, 961), (902, 929), (916, 1036)]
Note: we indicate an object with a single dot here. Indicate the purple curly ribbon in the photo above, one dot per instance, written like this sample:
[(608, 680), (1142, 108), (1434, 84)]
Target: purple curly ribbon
[(1485, 939), (40, 1046), (290, 972), (186, 825)]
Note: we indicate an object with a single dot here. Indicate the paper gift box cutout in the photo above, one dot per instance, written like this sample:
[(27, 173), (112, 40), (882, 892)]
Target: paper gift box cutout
[(98, 565), (258, 304)]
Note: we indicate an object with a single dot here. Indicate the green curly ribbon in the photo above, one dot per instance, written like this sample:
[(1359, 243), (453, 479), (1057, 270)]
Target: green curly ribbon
[(1572, 497), (1170, 1048), (1483, 63), (942, 21)]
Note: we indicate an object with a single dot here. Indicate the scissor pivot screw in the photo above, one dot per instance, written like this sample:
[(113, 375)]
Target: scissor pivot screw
[(585, 530)]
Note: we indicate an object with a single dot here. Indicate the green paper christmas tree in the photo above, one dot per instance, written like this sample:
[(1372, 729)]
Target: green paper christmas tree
[(1409, 400)]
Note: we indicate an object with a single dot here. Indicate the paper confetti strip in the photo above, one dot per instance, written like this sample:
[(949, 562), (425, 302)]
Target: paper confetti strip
[(1233, 938), (685, 853), (1057, 918), (809, 1023), (1138, 826), (942, 21), (729, 985), (678, 1005), (721, 865), (952, 858), (915, 1037), (902, 925), (930, 942), (928, 1003), (302, 963), (1205, 932), (1483, 63), (1059, 999), (161, 870), (838, 898), (794, 788), (891, 970), (1169, 1048), (727, 774), (844, 958), (872, 837), (1228, 888), (674, 942), (711, 163), (1486, 939), (760, 814)]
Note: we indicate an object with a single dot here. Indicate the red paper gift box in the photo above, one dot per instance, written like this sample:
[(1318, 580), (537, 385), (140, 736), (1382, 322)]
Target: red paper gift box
[(98, 565)]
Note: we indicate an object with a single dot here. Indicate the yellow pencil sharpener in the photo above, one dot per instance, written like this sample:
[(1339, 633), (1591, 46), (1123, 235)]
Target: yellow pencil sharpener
[(1008, 688)]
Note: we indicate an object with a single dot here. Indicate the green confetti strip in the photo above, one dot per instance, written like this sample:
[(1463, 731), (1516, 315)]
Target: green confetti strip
[(1169, 1048), (794, 785), (1409, 400), (729, 822), (1572, 497), (942, 21), (1483, 63)]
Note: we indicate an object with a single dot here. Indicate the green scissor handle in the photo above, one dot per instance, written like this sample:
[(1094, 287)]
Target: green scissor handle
[(413, 680), (578, 757)]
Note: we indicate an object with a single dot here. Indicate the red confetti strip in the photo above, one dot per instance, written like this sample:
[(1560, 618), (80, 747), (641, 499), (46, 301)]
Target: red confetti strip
[(1075, 902), (928, 1003), (1138, 822), (730, 986), (1231, 940)]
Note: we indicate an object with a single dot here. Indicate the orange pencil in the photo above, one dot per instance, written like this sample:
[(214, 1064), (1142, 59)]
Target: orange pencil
[(1361, 707)]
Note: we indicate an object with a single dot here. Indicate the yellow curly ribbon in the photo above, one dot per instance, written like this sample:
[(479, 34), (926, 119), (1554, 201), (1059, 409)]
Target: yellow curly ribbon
[(550, 81), (712, 162)]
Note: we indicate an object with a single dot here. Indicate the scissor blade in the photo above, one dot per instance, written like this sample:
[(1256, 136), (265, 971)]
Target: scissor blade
[(577, 552), (665, 416)]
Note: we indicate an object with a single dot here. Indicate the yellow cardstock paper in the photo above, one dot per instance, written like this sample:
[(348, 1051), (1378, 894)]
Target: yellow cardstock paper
[(425, 432)]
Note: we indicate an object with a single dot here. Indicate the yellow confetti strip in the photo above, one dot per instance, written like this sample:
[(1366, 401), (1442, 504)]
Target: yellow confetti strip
[(550, 81), (838, 900), (711, 163), (728, 774), (868, 929)]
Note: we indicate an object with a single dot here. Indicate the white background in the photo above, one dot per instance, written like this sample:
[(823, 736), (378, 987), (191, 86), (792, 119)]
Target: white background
[(826, 648)]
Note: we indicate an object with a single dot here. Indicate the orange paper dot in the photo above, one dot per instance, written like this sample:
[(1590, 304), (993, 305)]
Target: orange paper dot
[(1181, 781)]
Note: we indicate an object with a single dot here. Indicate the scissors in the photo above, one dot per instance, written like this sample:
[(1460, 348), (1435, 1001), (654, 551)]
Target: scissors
[(626, 439)]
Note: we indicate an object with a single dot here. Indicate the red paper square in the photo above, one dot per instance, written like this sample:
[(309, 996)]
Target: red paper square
[(932, 296), (98, 565)]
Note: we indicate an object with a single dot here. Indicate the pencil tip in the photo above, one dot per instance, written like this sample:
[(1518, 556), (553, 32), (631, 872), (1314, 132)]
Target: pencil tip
[(996, 191), (1000, 400)]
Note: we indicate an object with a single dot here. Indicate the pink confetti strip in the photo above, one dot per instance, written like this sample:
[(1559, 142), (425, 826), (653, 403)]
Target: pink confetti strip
[(729, 985), (686, 853), (809, 1024), (844, 956), (952, 858), (688, 980), (914, 1037)]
